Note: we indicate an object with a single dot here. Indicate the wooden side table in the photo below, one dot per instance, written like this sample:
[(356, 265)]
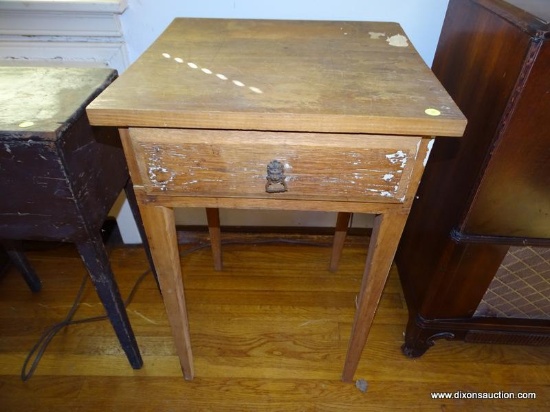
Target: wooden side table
[(295, 115), (60, 178)]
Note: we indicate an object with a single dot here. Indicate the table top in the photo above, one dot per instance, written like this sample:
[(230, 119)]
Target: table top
[(313, 76), (40, 102)]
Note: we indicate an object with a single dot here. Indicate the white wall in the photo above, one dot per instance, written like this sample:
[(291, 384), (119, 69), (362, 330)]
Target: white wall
[(145, 20)]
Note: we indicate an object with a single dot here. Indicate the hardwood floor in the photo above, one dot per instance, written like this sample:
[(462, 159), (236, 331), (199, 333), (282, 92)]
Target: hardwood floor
[(269, 332)]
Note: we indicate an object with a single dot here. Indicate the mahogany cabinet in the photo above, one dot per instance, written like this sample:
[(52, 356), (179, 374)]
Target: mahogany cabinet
[(487, 194)]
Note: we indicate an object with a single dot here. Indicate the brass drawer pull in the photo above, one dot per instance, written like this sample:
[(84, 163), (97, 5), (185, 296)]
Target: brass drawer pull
[(275, 177)]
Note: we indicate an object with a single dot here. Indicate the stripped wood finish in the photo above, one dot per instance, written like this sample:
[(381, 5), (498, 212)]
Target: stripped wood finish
[(314, 76), (234, 163)]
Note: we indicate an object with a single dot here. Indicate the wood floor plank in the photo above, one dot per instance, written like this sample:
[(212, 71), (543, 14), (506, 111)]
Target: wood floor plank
[(269, 333)]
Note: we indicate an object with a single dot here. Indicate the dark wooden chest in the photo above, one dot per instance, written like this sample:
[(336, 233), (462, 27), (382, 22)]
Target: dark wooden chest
[(57, 176)]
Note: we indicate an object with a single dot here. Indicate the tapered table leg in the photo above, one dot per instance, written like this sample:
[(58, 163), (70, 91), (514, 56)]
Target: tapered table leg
[(340, 233), (14, 249), (383, 245), (161, 231), (213, 218), (96, 260), (132, 202)]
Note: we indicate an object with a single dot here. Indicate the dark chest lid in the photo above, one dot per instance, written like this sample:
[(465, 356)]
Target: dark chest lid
[(41, 102)]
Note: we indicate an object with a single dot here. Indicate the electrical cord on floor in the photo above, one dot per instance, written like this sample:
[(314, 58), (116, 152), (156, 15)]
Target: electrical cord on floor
[(35, 354)]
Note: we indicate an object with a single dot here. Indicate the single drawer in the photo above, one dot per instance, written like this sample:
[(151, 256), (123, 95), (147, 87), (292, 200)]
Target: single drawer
[(312, 166)]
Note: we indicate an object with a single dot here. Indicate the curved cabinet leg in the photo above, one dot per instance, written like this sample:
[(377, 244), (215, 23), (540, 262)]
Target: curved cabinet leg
[(419, 340), (415, 344), (415, 350), (95, 259)]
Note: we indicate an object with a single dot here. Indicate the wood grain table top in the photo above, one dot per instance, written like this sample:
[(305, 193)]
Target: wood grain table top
[(312, 76)]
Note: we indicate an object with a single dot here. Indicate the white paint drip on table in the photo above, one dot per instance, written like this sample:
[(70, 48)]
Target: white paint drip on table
[(221, 76)]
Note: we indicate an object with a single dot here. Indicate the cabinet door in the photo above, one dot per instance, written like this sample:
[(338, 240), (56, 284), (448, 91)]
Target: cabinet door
[(513, 198)]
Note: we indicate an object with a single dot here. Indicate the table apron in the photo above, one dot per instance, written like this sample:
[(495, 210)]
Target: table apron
[(281, 165)]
